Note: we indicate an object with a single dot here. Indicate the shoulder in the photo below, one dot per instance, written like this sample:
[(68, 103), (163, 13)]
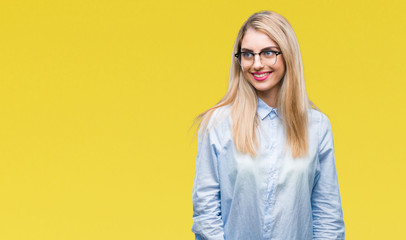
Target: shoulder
[(220, 118), (317, 117), (322, 125), (319, 122), (218, 129)]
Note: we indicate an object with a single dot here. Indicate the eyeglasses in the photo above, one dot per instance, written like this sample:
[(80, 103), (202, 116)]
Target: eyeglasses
[(246, 59)]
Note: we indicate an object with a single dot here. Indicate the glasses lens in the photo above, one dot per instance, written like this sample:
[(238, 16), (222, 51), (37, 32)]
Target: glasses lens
[(246, 59), (268, 58), (246, 63)]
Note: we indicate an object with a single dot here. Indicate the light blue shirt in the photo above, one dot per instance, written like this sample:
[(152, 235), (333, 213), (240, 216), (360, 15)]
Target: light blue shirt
[(271, 196)]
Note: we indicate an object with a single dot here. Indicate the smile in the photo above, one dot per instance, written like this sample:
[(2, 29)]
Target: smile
[(262, 76)]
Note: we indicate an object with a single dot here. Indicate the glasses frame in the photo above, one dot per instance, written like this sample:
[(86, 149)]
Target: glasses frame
[(238, 55)]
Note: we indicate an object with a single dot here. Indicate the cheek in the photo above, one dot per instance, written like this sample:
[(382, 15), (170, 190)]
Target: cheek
[(247, 76), (281, 69), (281, 63)]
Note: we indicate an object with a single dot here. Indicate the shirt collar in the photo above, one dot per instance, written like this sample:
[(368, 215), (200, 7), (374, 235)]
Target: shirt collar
[(263, 110)]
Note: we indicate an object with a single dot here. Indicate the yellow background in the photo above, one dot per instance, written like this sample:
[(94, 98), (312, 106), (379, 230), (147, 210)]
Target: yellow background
[(96, 99)]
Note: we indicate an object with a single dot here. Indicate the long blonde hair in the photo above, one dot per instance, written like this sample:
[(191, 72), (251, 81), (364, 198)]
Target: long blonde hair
[(292, 101)]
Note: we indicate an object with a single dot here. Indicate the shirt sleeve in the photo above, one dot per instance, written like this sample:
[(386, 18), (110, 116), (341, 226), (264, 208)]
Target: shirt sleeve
[(207, 220), (328, 222)]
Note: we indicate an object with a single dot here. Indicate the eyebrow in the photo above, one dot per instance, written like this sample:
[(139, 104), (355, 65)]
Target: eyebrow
[(267, 48)]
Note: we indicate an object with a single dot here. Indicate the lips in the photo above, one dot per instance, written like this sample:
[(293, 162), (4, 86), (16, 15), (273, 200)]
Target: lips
[(261, 78), (261, 72)]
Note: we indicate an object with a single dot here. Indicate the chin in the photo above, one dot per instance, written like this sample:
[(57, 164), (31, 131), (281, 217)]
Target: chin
[(264, 88)]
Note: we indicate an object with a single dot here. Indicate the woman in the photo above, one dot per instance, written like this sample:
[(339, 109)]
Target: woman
[(265, 166)]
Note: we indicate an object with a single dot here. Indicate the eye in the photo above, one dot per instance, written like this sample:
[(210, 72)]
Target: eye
[(268, 53), (246, 55)]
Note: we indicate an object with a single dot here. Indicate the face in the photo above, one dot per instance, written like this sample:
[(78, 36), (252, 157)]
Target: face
[(269, 85)]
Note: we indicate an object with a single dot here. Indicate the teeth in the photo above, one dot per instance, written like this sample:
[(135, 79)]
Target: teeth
[(261, 75)]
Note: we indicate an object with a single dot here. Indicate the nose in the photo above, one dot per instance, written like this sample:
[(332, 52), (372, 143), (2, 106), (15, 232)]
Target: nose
[(257, 62)]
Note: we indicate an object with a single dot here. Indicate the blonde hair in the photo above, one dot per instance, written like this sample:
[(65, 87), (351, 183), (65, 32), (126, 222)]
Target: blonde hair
[(292, 101)]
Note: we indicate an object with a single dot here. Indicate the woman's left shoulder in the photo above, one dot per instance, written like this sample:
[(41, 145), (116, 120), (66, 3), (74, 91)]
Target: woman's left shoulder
[(315, 115), (320, 124), (317, 118)]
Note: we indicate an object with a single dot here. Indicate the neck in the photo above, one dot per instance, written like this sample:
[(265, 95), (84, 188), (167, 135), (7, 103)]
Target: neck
[(270, 97)]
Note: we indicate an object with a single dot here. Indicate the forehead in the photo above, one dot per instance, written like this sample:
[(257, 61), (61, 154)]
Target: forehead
[(256, 40)]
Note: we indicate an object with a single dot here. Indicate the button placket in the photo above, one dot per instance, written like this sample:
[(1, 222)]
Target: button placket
[(270, 200)]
